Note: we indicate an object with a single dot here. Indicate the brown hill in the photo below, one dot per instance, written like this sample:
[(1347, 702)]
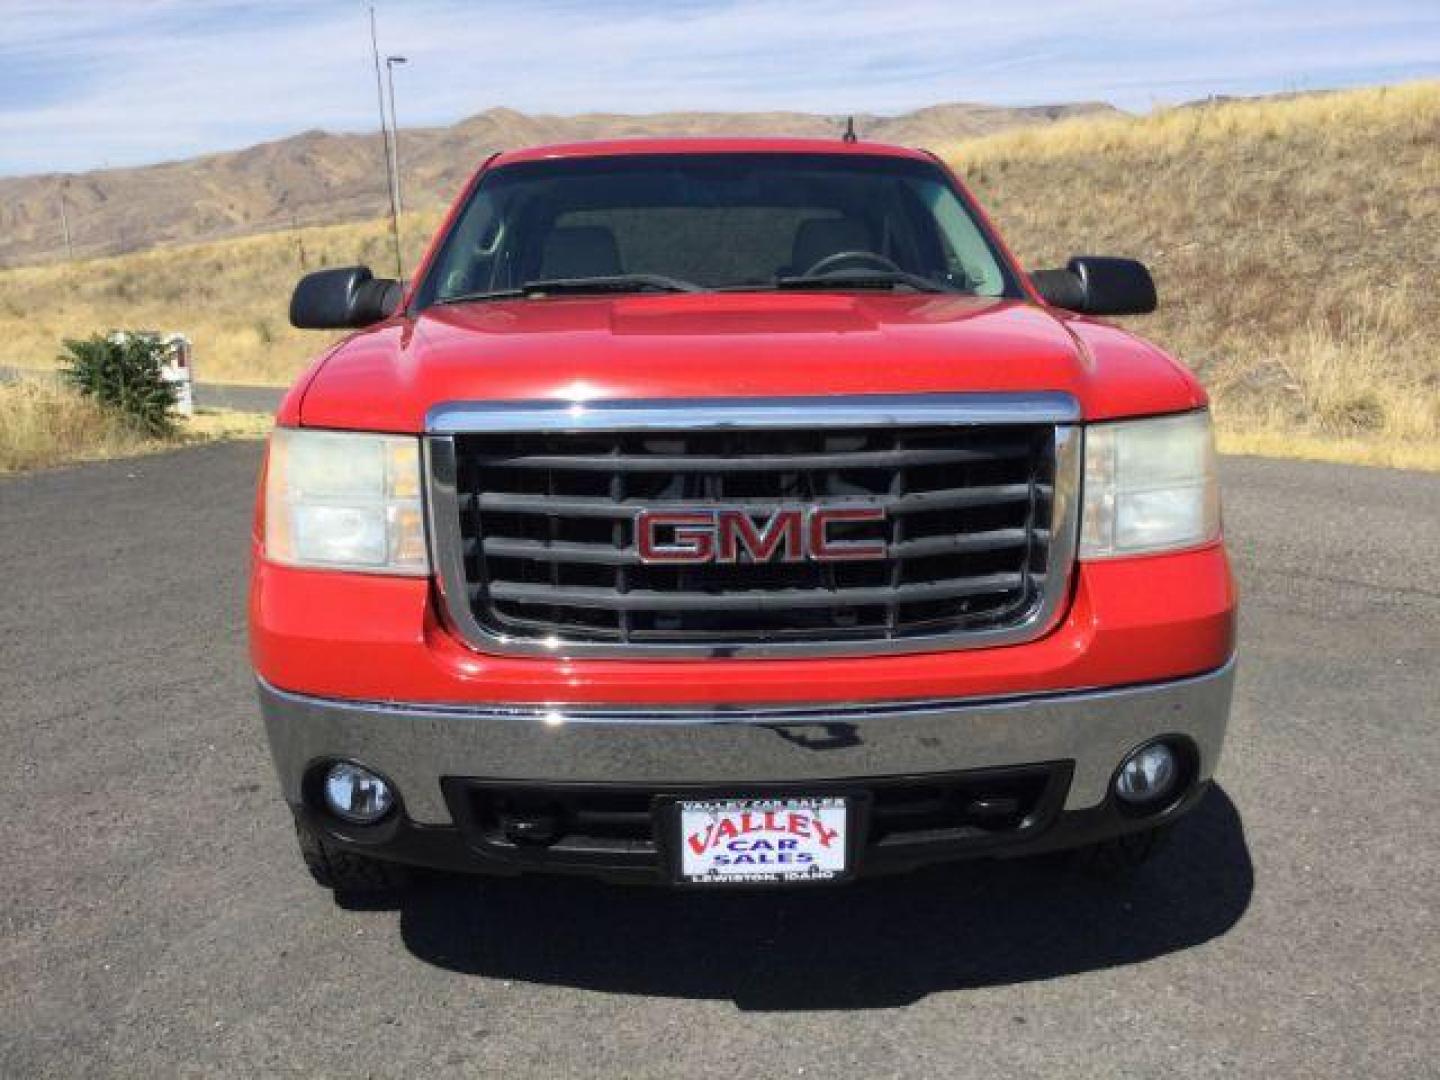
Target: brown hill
[(320, 177)]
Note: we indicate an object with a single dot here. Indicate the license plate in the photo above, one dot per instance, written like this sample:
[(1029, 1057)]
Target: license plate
[(781, 839)]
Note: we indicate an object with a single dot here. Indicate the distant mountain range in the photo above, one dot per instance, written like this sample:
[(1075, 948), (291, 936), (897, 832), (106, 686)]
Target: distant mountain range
[(319, 177)]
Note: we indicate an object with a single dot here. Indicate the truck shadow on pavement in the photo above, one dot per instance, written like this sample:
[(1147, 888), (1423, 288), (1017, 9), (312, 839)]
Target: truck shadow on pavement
[(877, 944)]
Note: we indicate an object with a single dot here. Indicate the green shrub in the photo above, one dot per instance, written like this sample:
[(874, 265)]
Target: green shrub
[(123, 375)]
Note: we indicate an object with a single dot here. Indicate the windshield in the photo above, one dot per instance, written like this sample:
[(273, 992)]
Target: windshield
[(714, 221)]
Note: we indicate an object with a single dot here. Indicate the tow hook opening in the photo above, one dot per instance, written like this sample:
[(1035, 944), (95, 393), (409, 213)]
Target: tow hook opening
[(537, 824)]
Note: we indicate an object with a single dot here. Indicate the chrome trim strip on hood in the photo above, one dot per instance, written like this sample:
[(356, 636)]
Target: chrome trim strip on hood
[(692, 414)]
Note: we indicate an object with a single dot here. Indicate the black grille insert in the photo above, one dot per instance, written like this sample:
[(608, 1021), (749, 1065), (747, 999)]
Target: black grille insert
[(547, 525), (615, 826)]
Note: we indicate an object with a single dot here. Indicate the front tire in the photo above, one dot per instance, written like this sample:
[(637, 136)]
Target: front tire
[(344, 872)]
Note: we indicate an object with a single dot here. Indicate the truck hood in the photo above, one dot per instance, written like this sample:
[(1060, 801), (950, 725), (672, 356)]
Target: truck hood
[(732, 345)]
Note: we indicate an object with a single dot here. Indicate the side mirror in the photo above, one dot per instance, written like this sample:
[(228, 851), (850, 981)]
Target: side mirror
[(343, 298), (1098, 285)]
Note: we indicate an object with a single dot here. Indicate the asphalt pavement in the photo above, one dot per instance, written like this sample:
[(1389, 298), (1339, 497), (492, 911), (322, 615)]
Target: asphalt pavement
[(155, 918)]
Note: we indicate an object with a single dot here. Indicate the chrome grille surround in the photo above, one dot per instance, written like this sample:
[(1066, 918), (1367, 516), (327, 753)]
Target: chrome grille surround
[(1054, 412)]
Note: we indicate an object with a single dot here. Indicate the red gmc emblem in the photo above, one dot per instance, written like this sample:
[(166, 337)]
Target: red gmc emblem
[(791, 534)]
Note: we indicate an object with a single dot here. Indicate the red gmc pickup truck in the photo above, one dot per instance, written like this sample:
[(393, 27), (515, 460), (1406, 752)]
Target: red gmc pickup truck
[(735, 513)]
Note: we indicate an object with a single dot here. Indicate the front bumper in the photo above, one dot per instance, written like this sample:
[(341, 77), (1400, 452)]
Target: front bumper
[(1080, 737)]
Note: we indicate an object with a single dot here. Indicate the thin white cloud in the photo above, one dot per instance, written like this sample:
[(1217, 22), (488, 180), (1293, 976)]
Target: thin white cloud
[(87, 83)]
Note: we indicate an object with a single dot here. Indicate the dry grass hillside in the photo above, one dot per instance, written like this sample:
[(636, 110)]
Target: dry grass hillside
[(1296, 243), (231, 296), (320, 177), (43, 424)]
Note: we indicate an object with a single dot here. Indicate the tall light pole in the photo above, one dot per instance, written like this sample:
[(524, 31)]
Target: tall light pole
[(65, 224), (385, 136), (390, 62)]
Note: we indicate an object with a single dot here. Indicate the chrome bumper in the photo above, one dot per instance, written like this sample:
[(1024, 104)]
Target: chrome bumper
[(415, 745)]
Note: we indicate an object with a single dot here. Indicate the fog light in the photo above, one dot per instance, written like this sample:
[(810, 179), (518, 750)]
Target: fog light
[(357, 795), (1148, 775)]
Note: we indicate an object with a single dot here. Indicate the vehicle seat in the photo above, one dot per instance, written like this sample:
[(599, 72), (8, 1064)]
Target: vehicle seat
[(816, 238), (579, 252)]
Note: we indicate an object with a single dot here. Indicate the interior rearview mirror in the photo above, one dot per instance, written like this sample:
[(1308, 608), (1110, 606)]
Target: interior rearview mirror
[(345, 297), (1098, 285)]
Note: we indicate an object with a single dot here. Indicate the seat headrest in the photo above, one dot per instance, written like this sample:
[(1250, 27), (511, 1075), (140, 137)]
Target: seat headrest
[(579, 251), (818, 237)]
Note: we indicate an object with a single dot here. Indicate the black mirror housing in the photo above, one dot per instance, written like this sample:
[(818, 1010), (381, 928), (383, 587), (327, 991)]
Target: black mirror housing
[(1098, 285), (344, 298)]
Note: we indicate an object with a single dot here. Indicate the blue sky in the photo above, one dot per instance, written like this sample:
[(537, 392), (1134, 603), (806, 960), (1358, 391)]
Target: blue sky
[(93, 83)]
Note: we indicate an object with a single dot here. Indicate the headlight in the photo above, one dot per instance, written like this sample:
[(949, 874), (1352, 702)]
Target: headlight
[(345, 501), (1149, 486)]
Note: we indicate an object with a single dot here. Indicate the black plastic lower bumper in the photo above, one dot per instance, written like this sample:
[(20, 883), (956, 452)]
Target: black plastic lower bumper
[(480, 844)]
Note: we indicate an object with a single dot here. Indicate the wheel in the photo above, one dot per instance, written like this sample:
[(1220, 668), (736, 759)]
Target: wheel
[(343, 871), (1120, 855)]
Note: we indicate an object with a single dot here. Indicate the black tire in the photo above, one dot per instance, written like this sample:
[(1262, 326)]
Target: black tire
[(343, 871), (1120, 855)]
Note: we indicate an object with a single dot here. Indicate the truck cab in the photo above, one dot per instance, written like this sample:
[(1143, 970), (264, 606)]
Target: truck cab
[(735, 513)]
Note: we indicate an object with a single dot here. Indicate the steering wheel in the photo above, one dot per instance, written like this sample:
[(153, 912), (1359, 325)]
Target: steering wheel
[(873, 259)]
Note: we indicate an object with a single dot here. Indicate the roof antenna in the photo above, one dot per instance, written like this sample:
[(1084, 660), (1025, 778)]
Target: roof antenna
[(849, 135)]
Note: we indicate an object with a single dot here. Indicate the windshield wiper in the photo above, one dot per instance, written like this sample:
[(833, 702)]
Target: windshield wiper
[(869, 279), (615, 283)]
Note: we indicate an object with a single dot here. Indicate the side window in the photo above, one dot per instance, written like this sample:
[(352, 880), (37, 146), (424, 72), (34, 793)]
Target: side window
[(970, 258), (472, 257)]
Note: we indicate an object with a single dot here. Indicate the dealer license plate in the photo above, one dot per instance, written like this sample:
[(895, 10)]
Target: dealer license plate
[(782, 839)]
